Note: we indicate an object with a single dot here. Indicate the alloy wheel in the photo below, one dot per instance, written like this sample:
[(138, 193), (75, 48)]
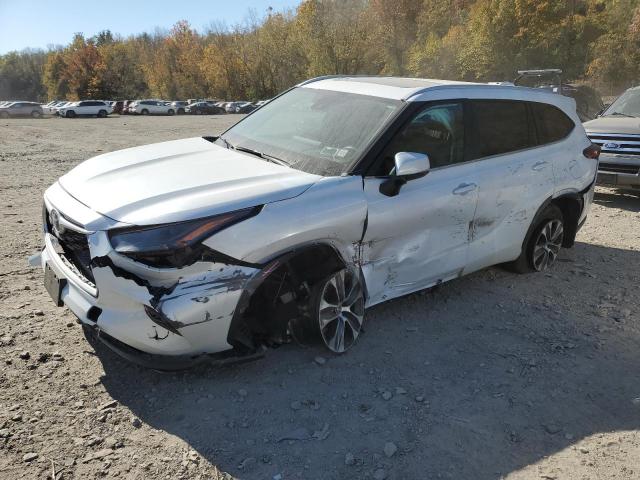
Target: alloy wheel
[(547, 245), (341, 310)]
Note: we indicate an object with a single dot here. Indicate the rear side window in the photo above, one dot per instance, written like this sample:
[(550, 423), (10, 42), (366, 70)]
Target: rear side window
[(498, 127), (552, 123)]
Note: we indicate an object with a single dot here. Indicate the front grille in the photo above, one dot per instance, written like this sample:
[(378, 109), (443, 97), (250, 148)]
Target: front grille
[(617, 143), (73, 249), (618, 168), (76, 249)]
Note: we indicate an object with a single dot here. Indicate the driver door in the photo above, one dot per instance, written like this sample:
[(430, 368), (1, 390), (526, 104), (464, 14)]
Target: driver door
[(420, 236)]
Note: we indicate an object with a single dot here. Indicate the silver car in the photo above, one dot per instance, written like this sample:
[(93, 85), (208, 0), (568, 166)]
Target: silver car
[(21, 109), (335, 196)]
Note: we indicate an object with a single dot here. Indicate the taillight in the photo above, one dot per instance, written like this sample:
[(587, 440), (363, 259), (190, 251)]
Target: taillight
[(592, 151)]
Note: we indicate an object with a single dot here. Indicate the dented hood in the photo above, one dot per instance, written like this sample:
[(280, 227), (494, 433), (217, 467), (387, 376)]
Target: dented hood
[(179, 180)]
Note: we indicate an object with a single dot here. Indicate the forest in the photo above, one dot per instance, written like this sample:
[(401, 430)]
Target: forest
[(596, 42)]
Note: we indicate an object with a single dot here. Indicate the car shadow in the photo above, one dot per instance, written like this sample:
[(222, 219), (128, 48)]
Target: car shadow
[(623, 200), (482, 377)]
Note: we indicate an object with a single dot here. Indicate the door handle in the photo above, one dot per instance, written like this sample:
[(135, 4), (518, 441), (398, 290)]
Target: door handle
[(539, 166), (464, 188)]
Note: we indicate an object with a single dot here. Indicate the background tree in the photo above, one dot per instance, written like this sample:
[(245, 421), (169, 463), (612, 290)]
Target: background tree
[(592, 41)]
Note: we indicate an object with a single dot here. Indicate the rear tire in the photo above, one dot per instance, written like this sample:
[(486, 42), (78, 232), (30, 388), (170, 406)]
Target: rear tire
[(144, 111), (102, 114), (543, 244), (171, 112), (181, 111), (36, 114), (4, 115)]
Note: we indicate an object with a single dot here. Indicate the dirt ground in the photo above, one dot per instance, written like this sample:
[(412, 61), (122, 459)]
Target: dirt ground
[(490, 376)]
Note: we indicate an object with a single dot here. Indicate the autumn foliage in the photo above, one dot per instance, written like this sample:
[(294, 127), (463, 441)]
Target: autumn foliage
[(595, 41)]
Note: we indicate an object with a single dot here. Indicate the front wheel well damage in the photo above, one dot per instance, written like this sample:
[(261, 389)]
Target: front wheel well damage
[(571, 208), (278, 294)]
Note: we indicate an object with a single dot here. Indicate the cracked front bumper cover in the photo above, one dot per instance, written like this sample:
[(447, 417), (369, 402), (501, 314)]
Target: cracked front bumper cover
[(165, 362)]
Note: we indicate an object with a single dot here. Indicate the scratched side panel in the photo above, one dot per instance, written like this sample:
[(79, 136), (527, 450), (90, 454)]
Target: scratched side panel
[(419, 237), (512, 188), (332, 211)]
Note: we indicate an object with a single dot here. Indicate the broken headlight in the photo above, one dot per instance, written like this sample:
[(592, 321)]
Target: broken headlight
[(173, 245)]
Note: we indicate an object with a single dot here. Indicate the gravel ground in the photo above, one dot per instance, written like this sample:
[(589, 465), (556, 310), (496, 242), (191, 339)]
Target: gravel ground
[(490, 376)]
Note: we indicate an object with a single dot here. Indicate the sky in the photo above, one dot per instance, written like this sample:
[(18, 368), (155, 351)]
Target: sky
[(42, 23)]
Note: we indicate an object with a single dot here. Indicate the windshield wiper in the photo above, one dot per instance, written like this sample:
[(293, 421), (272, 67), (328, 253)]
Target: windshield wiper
[(226, 142), (264, 156), (622, 114)]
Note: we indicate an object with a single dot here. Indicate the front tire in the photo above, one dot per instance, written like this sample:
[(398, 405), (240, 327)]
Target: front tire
[(102, 114), (144, 111), (70, 114), (544, 244), (36, 114), (336, 310), (181, 111), (171, 112), (4, 115)]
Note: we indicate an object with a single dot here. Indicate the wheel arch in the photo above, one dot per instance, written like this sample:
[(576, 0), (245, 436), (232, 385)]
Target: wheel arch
[(571, 205), (277, 293)]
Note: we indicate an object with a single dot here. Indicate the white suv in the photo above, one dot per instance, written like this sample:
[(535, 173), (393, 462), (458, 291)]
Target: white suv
[(85, 108), (152, 107), (337, 195)]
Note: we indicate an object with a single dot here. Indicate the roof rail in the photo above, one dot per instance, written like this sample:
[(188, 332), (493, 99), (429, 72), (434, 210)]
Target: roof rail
[(540, 72), (323, 77)]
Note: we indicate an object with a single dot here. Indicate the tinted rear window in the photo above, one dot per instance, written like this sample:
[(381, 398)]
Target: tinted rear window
[(552, 123), (497, 127)]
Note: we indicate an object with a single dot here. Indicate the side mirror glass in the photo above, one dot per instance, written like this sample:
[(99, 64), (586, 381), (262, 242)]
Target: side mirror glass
[(408, 165)]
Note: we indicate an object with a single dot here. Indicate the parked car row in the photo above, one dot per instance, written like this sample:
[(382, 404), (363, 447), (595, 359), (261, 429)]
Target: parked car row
[(191, 106), (102, 108)]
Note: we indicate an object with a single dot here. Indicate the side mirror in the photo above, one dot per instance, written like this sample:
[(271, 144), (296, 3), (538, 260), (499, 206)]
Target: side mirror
[(408, 165)]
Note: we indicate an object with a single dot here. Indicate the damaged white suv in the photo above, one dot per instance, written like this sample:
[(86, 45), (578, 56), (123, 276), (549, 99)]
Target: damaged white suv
[(339, 194)]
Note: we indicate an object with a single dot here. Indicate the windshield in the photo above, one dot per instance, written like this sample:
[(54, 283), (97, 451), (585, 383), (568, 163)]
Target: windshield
[(316, 131), (627, 104)]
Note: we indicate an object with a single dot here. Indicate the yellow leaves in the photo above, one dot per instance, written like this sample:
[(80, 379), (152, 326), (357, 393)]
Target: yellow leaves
[(456, 39)]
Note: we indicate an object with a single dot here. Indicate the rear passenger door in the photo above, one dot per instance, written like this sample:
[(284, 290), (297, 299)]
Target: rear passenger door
[(514, 179)]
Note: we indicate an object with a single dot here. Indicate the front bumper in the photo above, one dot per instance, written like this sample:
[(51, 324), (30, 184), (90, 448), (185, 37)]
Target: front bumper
[(156, 317), (164, 362), (622, 171)]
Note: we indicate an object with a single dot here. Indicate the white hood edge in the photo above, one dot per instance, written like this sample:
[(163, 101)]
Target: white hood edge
[(179, 180)]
